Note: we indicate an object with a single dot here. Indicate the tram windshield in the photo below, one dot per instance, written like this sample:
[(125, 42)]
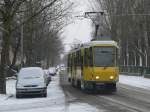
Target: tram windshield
[(104, 56)]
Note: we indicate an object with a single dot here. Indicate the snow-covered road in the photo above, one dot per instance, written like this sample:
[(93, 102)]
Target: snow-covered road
[(56, 100)]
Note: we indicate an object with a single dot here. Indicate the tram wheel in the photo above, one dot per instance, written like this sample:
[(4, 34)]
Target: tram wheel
[(112, 87)]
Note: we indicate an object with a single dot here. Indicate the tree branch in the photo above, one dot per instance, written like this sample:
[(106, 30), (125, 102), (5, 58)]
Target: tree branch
[(35, 14), (17, 5)]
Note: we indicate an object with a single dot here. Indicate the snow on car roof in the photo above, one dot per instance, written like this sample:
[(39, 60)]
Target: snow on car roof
[(31, 70)]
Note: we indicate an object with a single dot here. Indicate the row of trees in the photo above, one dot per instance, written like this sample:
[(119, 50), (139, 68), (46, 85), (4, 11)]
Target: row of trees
[(33, 26), (128, 22)]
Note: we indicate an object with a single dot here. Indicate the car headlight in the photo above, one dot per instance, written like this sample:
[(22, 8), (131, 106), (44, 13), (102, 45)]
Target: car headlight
[(18, 85), (111, 77), (42, 84), (97, 77)]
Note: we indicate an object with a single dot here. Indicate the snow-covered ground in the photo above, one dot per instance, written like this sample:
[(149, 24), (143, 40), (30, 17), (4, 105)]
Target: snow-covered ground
[(136, 81), (55, 101)]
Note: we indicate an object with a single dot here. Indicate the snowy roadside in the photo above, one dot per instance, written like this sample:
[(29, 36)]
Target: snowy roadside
[(54, 92), (10, 90), (135, 81), (55, 101)]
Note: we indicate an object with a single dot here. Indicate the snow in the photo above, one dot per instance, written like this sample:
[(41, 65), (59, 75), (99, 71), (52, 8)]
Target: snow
[(55, 101), (136, 81), (77, 107), (82, 107), (108, 42), (54, 92), (26, 72)]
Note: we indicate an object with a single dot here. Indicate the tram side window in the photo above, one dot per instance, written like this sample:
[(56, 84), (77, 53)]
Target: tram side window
[(86, 57), (68, 63), (117, 57), (79, 58), (71, 63), (90, 57), (74, 60)]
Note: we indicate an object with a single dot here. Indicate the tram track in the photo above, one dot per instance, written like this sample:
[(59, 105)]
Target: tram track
[(124, 100), (122, 104)]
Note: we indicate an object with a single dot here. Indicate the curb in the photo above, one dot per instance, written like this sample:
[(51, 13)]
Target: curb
[(9, 96)]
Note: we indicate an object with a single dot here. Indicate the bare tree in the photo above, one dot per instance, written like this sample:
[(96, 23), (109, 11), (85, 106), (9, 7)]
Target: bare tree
[(10, 15), (128, 23)]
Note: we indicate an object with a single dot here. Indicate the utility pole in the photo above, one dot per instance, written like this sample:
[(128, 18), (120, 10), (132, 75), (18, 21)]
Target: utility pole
[(96, 22), (90, 15)]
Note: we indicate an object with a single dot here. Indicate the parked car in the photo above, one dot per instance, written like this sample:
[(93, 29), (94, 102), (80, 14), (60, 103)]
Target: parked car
[(31, 80), (48, 76), (63, 68), (52, 71)]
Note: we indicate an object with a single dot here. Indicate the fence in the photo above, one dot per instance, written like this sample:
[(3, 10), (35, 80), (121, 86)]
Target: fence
[(135, 70)]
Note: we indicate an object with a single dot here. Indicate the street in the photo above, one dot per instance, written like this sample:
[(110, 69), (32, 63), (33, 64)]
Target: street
[(62, 97), (126, 99)]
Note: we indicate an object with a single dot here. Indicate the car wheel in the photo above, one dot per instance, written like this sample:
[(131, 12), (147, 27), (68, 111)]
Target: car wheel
[(45, 93), (47, 83), (18, 95)]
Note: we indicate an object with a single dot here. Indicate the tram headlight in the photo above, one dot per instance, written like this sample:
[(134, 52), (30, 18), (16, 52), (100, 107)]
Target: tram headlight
[(111, 77), (97, 77)]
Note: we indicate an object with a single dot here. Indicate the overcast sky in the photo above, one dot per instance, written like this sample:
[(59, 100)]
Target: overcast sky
[(80, 29)]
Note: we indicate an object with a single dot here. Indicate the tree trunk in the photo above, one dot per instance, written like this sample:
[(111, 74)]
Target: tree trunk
[(4, 55), (15, 52)]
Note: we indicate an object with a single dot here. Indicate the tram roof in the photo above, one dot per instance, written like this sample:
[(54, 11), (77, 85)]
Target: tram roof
[(101, 43), (97, 43)]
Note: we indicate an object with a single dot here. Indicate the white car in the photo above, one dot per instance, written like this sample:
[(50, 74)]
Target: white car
[(31, 80), (52, 71), (48, 76)]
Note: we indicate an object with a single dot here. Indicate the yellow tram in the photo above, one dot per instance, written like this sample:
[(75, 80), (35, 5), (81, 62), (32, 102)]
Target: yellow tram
[(93, 65)]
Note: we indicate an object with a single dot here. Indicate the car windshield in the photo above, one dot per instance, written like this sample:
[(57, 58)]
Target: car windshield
[(29, 74), (104, 56)]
